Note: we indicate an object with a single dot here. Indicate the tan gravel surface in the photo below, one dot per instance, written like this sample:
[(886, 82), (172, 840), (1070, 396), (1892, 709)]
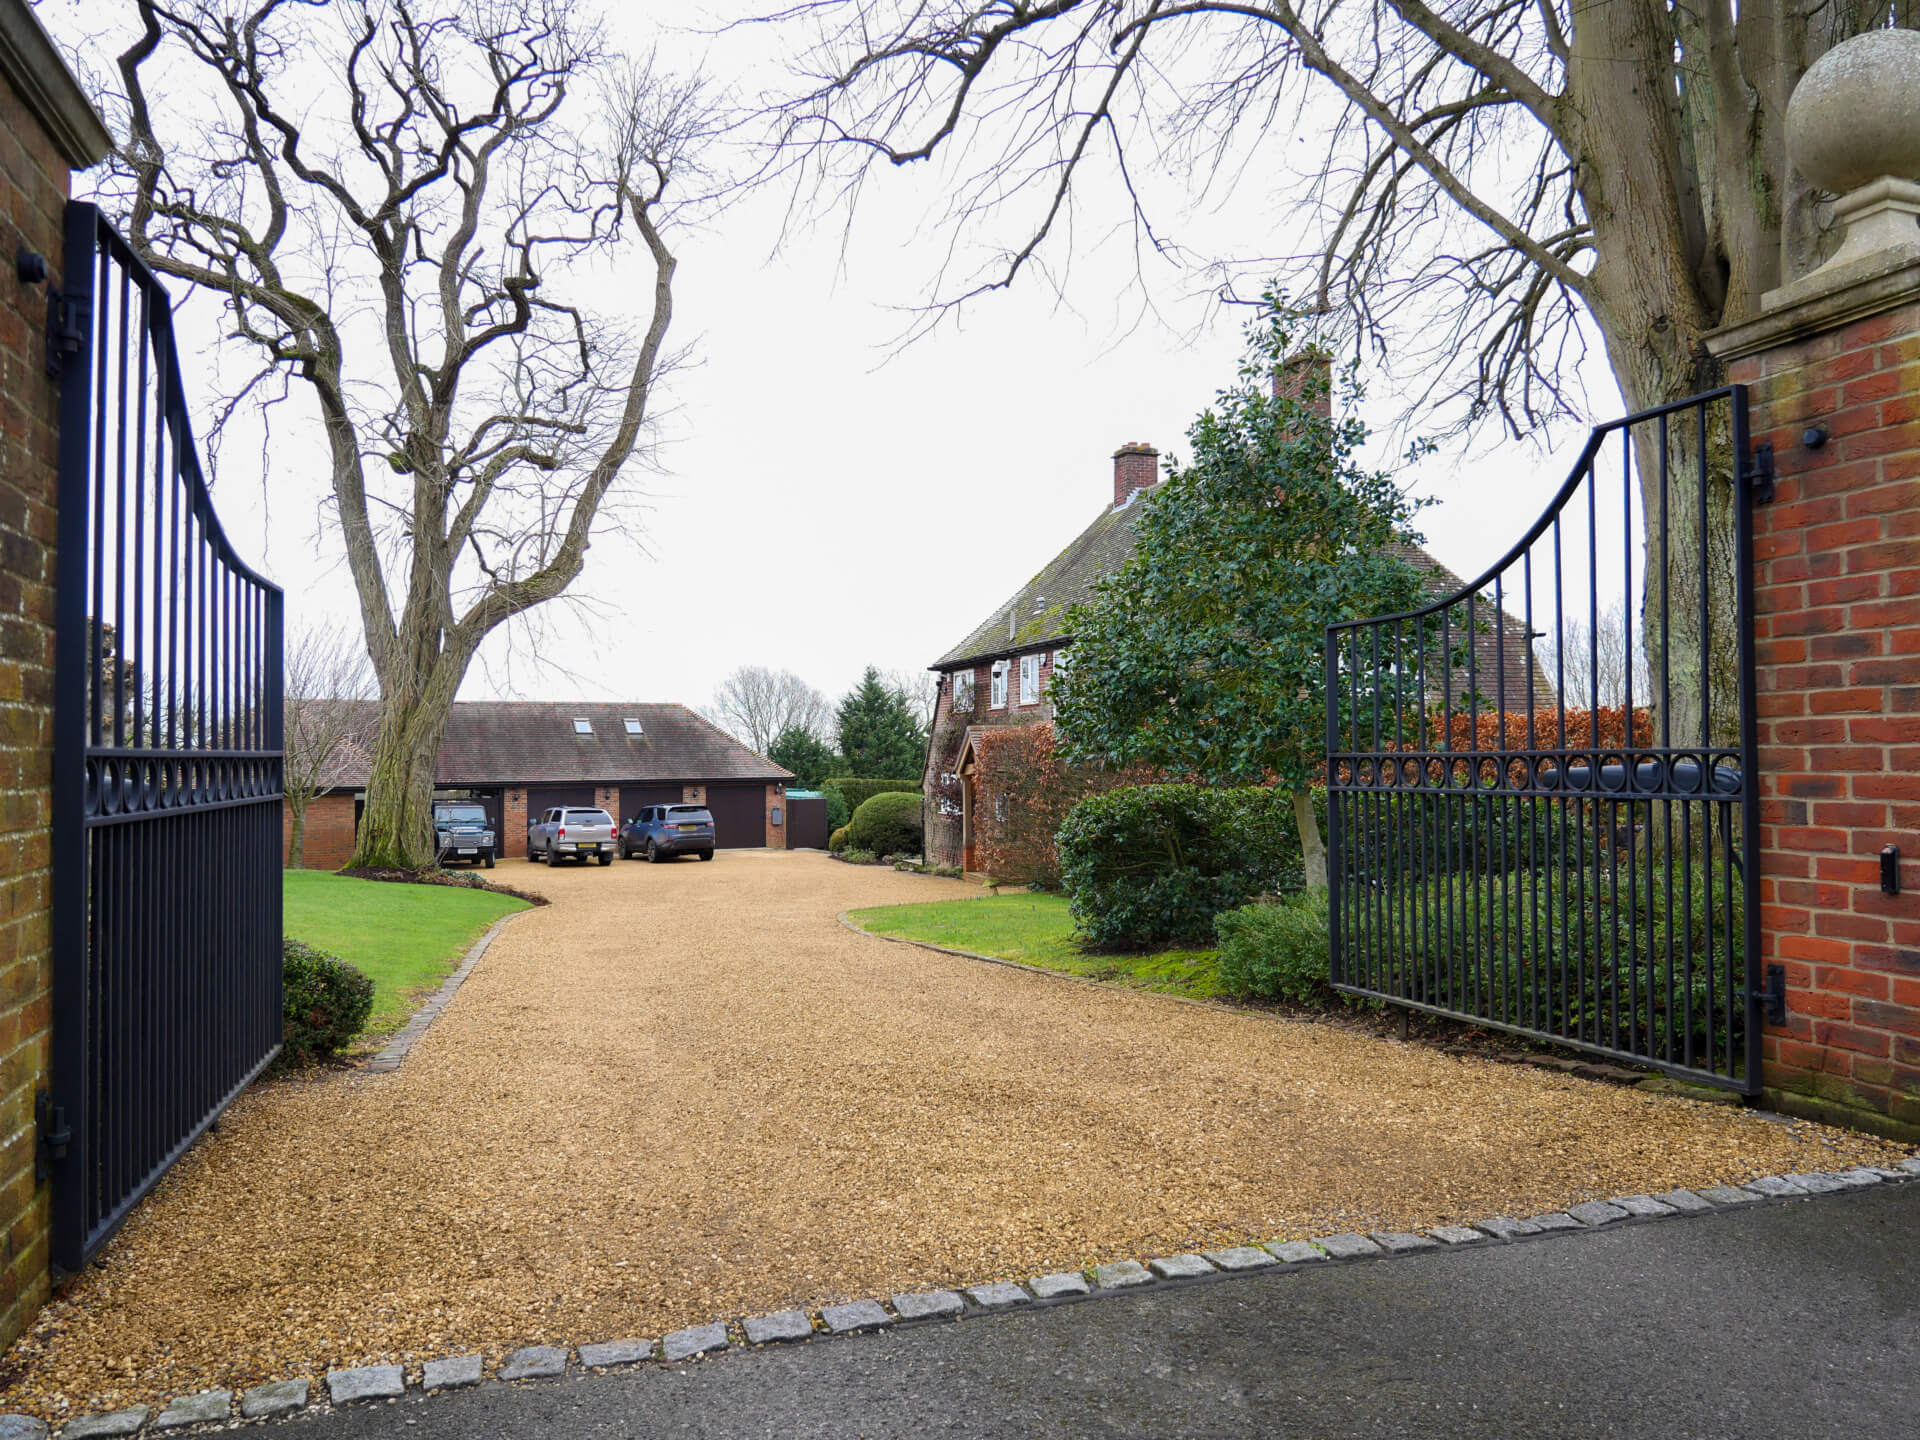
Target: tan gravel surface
[(686, 1092)]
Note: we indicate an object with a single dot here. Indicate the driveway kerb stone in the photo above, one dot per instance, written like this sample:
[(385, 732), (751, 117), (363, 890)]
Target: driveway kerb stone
[(390, 1055), (787, 1325), (283, 1397)]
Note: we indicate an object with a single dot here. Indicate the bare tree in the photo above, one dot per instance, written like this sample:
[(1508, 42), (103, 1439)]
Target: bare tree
[(327, 721), (1500, 172), (1598, 661), (755, 704), (396, 205), (920, 689)]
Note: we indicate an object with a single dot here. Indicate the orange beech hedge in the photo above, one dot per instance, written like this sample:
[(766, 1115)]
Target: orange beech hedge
[(1022, 792), (1497, 730)]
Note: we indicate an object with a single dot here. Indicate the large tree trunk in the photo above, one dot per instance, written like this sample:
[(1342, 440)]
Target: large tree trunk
[(396, 828), (296, 832)]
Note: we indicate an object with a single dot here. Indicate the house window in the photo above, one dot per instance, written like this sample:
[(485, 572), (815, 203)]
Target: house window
[(998, 694), (582, 727), (963, 690), (633, 726), (1059, 661), (1029, 679)]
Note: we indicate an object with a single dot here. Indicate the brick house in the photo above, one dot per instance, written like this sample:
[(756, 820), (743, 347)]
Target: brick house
[(519, 758), (999, 674)]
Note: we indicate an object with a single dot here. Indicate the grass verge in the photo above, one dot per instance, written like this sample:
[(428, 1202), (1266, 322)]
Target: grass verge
[(407, 937), (1038, 930)]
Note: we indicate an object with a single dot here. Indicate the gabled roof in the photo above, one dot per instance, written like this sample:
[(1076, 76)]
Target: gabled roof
[(1039, 608), (502, 742)]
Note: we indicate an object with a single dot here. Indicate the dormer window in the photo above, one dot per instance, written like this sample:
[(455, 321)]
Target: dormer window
[(633, 725), (582, 726)]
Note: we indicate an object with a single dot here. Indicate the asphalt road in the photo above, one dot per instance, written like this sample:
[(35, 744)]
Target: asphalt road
[(1800, 1319)]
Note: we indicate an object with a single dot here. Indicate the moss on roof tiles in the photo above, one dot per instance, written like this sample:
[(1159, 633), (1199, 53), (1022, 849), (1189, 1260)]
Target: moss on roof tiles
[(1040, 606)]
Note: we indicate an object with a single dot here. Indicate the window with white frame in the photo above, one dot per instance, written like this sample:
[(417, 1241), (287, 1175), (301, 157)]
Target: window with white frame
[(997, 696), (1029, 679), (963, 690), (582, 726)]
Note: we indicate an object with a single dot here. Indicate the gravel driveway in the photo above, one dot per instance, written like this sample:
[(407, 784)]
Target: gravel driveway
[(686, 1092)]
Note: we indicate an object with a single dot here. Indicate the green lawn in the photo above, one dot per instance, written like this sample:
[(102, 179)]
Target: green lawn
[(1037, 930), (407, 937)]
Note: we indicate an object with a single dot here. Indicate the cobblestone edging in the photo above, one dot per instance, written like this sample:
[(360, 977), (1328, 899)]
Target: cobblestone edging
[(282, 1398), (395, 1050)]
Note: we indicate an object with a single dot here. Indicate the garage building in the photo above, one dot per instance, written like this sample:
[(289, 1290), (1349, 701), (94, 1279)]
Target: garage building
[(519, 758)]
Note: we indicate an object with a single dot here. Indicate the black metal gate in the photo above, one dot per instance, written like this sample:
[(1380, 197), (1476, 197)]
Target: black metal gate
[(167, 764), (1542, 810)]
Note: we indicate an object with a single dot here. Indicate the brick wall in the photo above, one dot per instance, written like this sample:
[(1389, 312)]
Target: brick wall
[(33, 193), (1837, 626), (328, 842), (513, 812), (776, 834)]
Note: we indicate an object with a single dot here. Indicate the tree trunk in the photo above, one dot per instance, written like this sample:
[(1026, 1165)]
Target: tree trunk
[(396, 828), (1313, 850), (296, 832)]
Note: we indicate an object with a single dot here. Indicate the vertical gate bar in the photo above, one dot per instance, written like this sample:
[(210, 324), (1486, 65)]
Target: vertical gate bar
[(1749, 743), (120, 530), (75, 637), (1336, 798), (1497, 804), (95, 351)]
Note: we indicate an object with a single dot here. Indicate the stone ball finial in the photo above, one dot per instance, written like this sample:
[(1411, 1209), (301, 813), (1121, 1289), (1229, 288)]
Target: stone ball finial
[(1855, 114)]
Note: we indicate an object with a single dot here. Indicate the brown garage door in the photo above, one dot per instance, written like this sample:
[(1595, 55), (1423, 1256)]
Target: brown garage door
[(635, 798), (806, 824), (739, 816)]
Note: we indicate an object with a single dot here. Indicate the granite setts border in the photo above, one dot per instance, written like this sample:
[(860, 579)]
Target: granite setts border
[(389, 1056), (533, 1364)]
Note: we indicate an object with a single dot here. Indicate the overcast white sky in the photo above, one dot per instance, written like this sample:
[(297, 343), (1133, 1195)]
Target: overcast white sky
[(822, 503)]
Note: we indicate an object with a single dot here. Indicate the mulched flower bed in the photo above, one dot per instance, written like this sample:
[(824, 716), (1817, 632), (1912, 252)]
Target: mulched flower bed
[(466, 880)]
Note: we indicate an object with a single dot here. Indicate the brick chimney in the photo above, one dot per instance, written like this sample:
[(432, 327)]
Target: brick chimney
[(1307, 375), (1136, 467)]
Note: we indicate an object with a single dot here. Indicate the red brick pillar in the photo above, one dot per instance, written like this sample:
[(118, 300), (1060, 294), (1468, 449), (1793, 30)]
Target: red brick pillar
[(513, 843), (1834, 381)]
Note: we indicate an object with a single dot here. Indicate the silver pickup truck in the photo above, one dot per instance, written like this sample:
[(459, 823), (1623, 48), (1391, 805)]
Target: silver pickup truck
[(573, 833)]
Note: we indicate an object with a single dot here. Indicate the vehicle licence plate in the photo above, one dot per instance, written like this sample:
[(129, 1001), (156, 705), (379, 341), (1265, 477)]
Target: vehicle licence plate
[(689, 827), (468, 850)]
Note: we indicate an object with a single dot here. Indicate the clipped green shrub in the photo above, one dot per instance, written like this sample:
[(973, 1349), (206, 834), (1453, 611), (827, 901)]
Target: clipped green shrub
[(888, 824), (1154, 863), (857, 792), (837, 841), (325, 1002), (838, 811), (1276, 949)]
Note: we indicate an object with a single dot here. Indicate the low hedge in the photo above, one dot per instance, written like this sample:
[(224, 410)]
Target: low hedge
[(1277, 949), (837, 841), (888, 824), (857, 792), (325, 1003), (1155, 863)]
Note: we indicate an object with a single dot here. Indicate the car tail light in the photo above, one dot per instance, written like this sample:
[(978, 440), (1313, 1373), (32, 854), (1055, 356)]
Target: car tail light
[(563, 832)]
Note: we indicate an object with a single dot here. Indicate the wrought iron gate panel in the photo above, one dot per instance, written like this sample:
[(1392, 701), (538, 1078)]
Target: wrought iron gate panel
[(1532, 823), (167, 763)]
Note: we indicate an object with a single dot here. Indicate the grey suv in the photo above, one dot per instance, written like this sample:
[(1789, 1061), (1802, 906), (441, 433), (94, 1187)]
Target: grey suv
[(661, 832)]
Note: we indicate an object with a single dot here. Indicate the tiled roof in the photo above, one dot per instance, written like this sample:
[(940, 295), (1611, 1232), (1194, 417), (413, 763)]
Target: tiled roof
[(498, 742), (1038, 609)]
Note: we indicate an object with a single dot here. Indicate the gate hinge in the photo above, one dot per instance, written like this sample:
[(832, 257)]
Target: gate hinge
[(1773, 999), (53, 1137), (1758, 473), (68, 321)]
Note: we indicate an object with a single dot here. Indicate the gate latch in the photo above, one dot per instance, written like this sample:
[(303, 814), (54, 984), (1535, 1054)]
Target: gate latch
[(68, 321), (1773, 999), (1758, 473), (50, 1120)]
